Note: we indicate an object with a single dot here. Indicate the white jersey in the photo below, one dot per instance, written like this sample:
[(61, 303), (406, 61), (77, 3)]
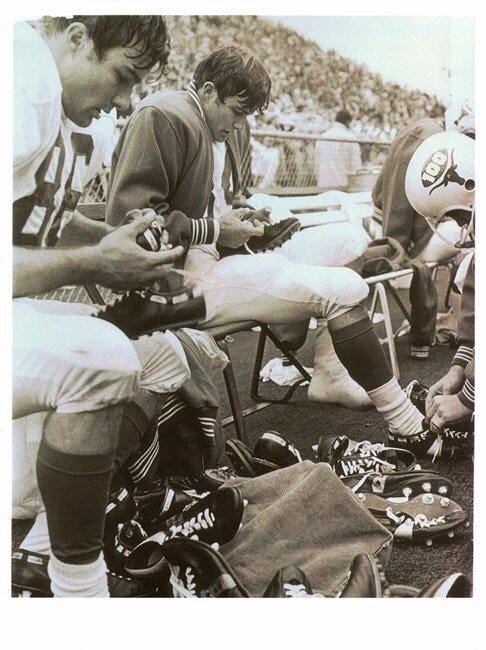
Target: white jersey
[(52, 157)]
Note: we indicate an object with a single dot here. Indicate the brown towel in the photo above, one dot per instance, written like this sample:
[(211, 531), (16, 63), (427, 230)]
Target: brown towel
[(302, 515)]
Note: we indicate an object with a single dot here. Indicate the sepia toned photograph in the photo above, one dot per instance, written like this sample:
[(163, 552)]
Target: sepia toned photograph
[(243, 306)]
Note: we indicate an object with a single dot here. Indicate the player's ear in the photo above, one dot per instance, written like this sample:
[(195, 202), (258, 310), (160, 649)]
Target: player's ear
[(77, 36), (208, 91)]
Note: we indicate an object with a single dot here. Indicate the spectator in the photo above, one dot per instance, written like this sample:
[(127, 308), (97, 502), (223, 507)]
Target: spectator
[(336, 160)]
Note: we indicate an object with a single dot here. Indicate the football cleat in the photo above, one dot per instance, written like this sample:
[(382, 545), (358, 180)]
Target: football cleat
[(117, 549), (271, 452), (448, 444), (214, 519), (217, 476), (120, 508), (198, 571), (289, 582), (31, 580), (420, 519), (160, 501), (456, 585), (366, 579), (400, 486), (274, 235), (139, 312), (350, 458)]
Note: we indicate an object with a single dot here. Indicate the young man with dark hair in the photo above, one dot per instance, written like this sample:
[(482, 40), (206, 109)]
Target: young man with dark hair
[(171, 157), (80, 369)]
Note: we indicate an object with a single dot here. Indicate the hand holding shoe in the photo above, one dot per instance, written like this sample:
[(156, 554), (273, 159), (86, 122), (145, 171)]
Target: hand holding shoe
[(118, 262), (236, 229)]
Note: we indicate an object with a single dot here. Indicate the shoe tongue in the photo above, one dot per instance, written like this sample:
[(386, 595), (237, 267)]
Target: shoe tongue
[(341, 446)]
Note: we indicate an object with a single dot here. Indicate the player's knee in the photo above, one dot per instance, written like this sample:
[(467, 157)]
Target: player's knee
[(354, 288), (103, 370)]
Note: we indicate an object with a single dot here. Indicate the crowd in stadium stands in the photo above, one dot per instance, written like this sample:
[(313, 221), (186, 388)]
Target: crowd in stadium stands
[(301, 102)]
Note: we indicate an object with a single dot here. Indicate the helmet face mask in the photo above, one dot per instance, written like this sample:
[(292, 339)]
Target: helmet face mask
[(440, 181)]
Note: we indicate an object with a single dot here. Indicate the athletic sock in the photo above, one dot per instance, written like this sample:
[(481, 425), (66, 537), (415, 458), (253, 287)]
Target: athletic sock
[(360, 351), (37, 539), (74, 489), (402, 416), (78, 580)]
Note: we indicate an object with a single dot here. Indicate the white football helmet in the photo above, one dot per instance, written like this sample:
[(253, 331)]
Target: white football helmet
[(440, 181), (459, 116)]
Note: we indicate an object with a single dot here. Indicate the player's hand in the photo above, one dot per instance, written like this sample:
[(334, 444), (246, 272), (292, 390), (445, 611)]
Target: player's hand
[(260, 216), (450, 384), (446, 409), (120, 263), (236, 228)]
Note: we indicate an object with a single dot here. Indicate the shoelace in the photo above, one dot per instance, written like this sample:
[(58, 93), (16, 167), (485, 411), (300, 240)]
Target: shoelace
[(202, 521), (373, 464), (179, 588)]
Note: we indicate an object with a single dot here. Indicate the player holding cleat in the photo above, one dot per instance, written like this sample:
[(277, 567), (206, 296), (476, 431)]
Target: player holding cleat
[(80, 370)]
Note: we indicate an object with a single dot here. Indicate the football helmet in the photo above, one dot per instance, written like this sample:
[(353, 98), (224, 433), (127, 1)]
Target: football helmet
[(440, 182), (459, 116)]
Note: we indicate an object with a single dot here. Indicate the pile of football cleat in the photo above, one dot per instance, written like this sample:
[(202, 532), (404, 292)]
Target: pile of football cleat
[(413, 503)]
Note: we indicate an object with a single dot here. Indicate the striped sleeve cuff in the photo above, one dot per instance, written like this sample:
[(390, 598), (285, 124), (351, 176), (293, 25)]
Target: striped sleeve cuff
[(463, 356), (204, 231), (466, 395)]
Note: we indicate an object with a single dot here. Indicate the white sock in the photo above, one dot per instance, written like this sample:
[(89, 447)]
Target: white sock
[(402, 416), (37, 539), (331, 382), (78, 580)]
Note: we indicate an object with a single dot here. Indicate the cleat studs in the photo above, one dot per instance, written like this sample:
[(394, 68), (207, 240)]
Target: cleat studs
[(245, 502), (444, 502), (428, 542), (215, 545), (427, 499), (467, 524), (426, 487), (443, 489), (417, 467), (450, 534), (407, 491)]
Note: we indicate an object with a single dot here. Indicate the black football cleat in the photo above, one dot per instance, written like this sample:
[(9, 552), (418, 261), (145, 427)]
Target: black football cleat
[(31, 580), (159, 502), (271, 452), (214, 519), (120, 508), (140, 312), (273, 448), (456, 585), (198, 571), (289, 582), (448, 444), (29, 575), (350, 458), (274, 235), (367, 579)]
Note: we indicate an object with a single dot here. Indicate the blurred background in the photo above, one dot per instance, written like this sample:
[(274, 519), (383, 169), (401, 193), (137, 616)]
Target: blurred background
[(380, 72)]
